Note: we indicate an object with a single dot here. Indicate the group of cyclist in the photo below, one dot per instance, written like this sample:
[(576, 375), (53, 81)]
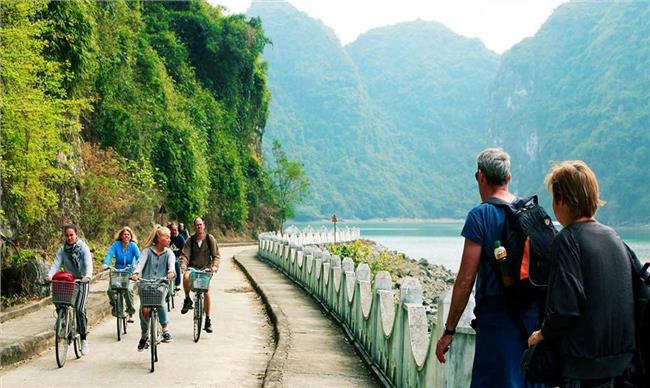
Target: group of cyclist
[(166, 251)]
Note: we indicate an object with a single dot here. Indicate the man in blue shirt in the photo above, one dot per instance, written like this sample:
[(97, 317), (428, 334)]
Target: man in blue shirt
[(499, 344)]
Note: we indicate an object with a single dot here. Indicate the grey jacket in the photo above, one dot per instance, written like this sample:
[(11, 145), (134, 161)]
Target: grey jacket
[(154, 266), (83, 269)]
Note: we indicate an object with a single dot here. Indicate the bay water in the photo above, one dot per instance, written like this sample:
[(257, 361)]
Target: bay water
[(440, 242)]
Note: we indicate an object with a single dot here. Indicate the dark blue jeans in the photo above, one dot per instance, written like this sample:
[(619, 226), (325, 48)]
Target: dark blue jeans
[(499, 347), (177, 279)]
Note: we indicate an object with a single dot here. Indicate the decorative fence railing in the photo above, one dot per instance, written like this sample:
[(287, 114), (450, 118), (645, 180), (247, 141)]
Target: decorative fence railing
[(393, 337)]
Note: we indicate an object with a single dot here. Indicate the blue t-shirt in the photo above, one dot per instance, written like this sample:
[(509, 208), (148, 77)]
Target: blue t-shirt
[(123, 258), (176, 244), (484, 226)]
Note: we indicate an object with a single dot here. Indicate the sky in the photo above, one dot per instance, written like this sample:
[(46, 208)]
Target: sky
[(500, 24)]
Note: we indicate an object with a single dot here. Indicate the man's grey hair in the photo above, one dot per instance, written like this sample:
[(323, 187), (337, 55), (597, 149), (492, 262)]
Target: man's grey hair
[(495, 164)]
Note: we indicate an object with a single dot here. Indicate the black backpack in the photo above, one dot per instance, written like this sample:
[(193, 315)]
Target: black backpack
[(528, 236), (641, 284)]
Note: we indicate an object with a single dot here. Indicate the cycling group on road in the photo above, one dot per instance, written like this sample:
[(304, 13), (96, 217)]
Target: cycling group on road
[(166, 252)]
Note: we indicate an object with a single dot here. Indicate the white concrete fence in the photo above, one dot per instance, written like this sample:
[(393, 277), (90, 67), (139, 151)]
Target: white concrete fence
[(393, 337)]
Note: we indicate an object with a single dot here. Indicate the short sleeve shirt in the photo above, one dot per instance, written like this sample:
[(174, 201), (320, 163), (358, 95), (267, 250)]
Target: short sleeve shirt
[(483, 226)]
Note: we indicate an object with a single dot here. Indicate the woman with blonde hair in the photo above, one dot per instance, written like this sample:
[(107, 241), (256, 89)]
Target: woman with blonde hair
[(126, 253), (157, 261), (590, 304)]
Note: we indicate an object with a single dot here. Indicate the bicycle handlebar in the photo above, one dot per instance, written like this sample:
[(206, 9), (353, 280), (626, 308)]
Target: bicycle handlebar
[(120, 269), (157, 280), (206, 270), (46, 283)]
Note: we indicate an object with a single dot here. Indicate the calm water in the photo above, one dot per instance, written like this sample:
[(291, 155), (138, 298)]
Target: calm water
[(440, 243)]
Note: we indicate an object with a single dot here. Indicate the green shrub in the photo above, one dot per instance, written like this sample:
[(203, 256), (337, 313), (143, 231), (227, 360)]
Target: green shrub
[(361, 251)]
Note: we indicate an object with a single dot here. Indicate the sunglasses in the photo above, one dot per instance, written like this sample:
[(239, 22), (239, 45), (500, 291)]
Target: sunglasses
[(476, 176)]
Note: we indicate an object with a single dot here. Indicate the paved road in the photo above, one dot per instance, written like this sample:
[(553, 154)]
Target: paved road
[(235, 354), (316, 350)]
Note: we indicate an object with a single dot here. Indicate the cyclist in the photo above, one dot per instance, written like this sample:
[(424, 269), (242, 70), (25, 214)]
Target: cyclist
[(176, 245), (157, 261), (126, 253), (182, 231), (76, 259), (200, 254)]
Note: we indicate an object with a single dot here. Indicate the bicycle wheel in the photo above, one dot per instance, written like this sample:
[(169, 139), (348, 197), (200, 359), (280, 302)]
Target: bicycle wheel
[(198, 315), (74, 337), (61, 336), (153, 337), (118, 314)]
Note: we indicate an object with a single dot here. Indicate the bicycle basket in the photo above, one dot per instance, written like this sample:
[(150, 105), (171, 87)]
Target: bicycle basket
[(64, 292), (200, 281), (152, 294), (120, 279)]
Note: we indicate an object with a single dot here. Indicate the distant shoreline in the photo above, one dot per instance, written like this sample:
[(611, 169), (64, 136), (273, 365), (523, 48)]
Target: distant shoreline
[(384, 220), (426, 221)]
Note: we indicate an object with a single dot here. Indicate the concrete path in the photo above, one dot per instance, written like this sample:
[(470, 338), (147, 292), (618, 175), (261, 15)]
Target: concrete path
[(312, 349), (236, 354)]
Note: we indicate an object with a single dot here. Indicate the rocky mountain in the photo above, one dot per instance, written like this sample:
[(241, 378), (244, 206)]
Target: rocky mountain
[(580, 89), (382, 124)]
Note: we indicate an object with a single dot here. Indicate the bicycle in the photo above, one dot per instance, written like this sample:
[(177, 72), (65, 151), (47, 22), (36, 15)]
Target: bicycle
[(119, 280), (64, 296), (199, 282), (152, 295)]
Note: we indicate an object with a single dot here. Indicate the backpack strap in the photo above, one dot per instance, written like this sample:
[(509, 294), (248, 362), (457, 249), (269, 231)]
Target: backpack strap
[(191, 248), (210, 240)]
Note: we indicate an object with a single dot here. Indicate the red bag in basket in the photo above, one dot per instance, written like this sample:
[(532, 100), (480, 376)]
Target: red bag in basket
[(63, 277)]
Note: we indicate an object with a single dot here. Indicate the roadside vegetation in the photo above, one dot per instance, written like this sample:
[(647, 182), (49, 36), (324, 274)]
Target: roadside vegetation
[(112, 109)]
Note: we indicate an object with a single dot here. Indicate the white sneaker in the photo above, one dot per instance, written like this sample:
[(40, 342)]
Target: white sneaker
[(84, 347)]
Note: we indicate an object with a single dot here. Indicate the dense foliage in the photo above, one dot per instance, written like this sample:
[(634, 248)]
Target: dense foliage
[(110, 109), (580, 89), (37, 118), (364, 251)]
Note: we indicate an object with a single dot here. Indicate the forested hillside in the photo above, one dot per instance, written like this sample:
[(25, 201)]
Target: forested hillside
[(382, 123), (321, 112), (432, 85), (389, 125), (580, 89), (111, 109)]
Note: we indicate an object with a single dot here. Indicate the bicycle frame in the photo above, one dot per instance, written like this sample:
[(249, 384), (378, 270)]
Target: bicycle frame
[(198, 304), (120, 298), (65, 328), (153, 323)]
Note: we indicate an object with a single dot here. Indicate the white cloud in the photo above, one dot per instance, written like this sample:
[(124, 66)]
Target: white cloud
[(498, 23)]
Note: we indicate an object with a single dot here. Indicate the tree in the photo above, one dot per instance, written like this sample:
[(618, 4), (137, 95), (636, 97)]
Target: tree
[(289, 182), (36, 118)]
